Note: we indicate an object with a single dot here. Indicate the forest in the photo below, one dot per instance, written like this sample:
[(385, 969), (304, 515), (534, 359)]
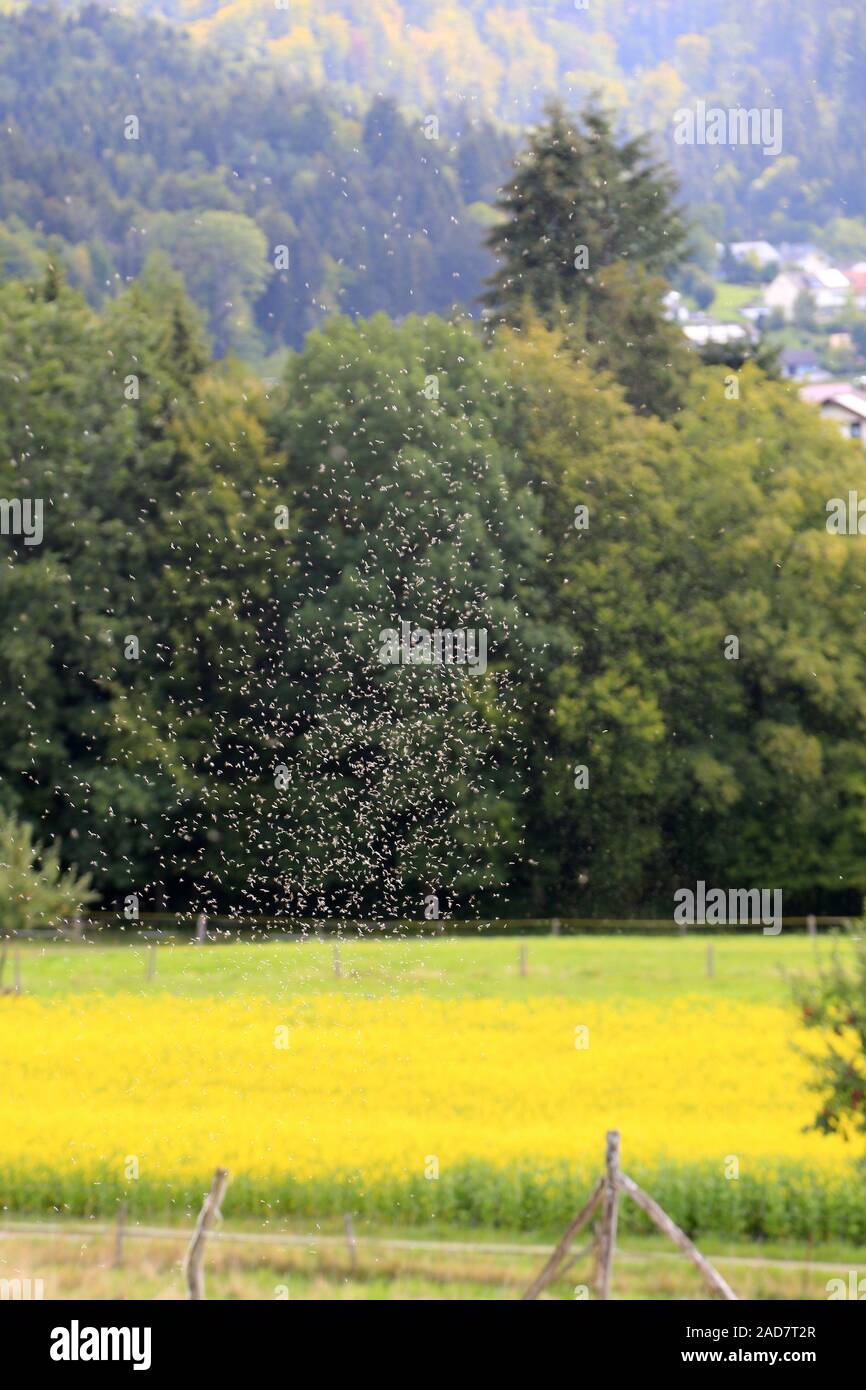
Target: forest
[(192, 698), (359, 147), (439, 412)]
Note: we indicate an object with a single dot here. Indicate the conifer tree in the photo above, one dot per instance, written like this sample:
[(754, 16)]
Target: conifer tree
[(588, 226)]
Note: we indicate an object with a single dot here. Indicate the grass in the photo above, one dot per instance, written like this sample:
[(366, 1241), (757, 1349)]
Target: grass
[(81, 1264), (749, 969), (730, 299)]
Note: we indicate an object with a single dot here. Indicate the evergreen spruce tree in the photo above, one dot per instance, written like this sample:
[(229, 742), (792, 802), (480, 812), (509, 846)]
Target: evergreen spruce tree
[(588, 227)]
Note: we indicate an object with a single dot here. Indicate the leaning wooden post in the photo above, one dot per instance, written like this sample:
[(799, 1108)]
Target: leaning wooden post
[(192, 1265), (669, 1228), (607, 1234), (118, 1235), (577, 1224)]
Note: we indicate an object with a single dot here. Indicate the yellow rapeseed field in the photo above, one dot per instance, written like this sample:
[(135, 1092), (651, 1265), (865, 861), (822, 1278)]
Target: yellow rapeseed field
[(378, 1086)]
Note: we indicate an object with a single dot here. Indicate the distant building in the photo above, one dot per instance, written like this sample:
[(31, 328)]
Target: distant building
[(675, 308), (800, 364), (828, 288), (856, 277), (840, 402), (840, 342), (796, 254), (755, 313), (762, 252), (702, 332), (782, 293)]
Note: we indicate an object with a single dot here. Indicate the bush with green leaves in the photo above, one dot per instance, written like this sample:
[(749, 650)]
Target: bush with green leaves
[(35, 890), (835, 1003)]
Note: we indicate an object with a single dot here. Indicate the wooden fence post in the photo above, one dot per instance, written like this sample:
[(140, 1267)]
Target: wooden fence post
[(351, 1242), (524, 960), (607, 1234), (812, 924), (552, 1267), (118, 1235), (669, 1228), (201, 927), (192, 1265)]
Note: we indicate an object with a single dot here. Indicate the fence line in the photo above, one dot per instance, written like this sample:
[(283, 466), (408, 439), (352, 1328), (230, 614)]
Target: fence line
[(32, 1230), (202, 929)]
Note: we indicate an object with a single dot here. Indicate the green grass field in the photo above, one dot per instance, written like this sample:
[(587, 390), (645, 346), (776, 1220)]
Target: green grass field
[(76, 1262), (749, 969), (730, 299)]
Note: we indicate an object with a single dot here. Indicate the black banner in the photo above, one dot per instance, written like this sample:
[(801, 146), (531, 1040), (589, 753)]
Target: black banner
[(66, 1339)]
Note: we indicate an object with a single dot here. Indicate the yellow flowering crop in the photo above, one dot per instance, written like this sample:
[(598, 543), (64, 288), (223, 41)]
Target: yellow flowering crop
[(332, 1084)]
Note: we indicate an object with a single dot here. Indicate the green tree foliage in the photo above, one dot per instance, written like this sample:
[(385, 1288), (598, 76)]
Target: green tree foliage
[(222, 259), (372, 214), (833, 1004), (410, 507), (35, 890), (587, 220), (649, 60), (734, 771), (217, 570), (156, 534)]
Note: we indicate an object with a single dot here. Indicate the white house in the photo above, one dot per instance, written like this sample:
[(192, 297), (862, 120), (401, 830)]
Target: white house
[(840, 402), (675, 307), (709, 332), (762, 252), (783, 292), (828, 288), (848, 411)]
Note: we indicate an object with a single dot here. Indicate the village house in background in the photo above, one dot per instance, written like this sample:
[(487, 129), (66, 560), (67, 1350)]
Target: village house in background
[(793, 297), (842, 403)]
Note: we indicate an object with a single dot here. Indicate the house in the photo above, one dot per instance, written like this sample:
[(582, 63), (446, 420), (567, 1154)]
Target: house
[(840, 342), (703, 330), (761, 252), (675, 307), (834, 287), (848, 411), (755, 313), (827, 287), (856, 277), (795, 255), (782, 293), (840, 402), (800, 364)]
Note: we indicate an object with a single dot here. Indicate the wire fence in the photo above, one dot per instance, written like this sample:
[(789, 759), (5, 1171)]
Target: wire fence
[(115, 926)]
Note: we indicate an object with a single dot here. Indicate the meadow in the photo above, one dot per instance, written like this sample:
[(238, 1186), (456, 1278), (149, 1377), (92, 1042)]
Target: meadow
[(430, 1084)]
